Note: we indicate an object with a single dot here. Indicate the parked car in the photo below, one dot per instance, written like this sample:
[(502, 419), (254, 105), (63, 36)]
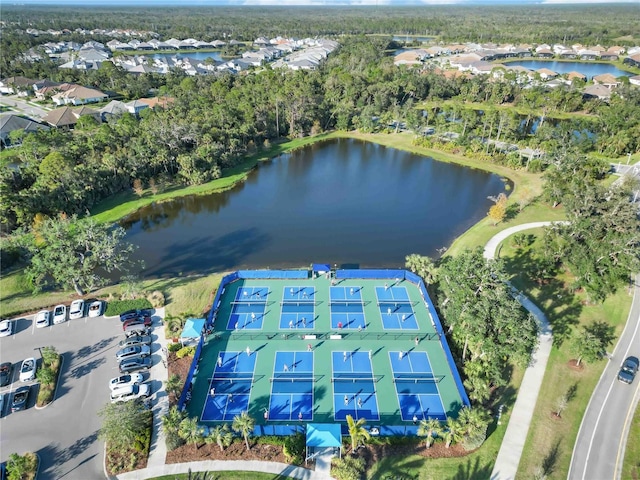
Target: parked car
[(28, 369), (137, 329), (133, 351), (95, 308), (5, 373), (146, 321), (59, 314), (135, 340), (628, 370), (130, 393), (42, 318), (20, 398), (1, 411), (76, 310), (126, 380), (135, 364), (129, 314), (6, 328)]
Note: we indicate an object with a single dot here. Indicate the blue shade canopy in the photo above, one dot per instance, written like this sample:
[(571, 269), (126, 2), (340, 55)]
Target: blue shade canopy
[(323, 435), (192, 328)]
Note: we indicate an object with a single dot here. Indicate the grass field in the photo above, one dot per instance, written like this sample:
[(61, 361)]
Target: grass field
[(551, 439), (631, 467)]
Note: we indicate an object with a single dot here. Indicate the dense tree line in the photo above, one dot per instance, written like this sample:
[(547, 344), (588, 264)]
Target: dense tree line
[(505, 23)]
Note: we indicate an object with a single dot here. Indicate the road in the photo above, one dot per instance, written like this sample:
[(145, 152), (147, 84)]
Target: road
[(599, 449), (65, 433), (20, 105)]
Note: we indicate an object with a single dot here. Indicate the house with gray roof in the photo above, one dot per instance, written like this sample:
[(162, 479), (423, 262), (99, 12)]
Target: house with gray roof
[(10, 122)]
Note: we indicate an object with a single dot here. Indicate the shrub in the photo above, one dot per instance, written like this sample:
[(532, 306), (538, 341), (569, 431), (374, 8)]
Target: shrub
[(22, 466), (116, 307), (156, 298), (294, 448), (347, 468), (173, 442), (186, 352), (174, 347)]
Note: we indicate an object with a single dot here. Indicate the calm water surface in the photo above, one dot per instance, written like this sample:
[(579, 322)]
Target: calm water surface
[(195, 55), (588, 69), (341, 201)]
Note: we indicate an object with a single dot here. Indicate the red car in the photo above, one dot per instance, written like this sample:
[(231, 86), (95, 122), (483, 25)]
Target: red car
[(146, 321)]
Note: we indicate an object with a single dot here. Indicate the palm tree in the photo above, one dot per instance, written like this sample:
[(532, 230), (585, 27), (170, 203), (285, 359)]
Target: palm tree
[(173, 385), (243, 424), (357, 432), (190, 431), (453, 432), (220, 435), (430, 429), (171, 421)]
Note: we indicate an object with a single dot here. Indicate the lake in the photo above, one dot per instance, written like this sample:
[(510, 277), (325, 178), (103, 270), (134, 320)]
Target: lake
[(588, 69), (412, 38), (340, 201), (195, 55)]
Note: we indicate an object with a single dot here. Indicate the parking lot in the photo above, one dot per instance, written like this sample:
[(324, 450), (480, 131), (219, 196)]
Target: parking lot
[(65, 433)]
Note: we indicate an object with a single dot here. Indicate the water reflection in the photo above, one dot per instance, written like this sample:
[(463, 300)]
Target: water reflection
[(341, 201)]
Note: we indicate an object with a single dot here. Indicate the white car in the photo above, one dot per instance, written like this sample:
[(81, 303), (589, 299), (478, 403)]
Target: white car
[(95, 309), (130, 393), (59, 314), (76, 310), (6, 328), (28, 369), (42, 318), (126, 380)]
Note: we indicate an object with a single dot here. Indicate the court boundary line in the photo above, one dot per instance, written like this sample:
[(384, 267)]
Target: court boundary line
[(373, 382), (271, 394)]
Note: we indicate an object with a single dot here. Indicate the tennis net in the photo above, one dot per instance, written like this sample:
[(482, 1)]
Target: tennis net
[(346, 303), (298, 303), (232, 379), (292, 379), (396, 303), (370, 379), (257, 303), (418, 379)]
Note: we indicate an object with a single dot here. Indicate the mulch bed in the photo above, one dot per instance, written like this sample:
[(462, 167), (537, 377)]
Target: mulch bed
[(375, 453), (180, 367), (573, 365), (236, 451)]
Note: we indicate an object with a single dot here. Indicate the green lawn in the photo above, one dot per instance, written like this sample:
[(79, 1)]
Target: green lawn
[(551, 439), (631, 466)]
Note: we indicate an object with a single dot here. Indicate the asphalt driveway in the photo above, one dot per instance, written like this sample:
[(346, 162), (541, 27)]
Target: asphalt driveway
[(65, 433)]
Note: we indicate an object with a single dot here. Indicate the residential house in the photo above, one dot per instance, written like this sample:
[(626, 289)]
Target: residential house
[(67, 117), (588, 54), (411, 57), (136, 106), (609, 56), (79, 95), (606, 80), (546, 74), (113, 109), (597, 91), (158, 102), (18, 84), (10, 122), (635, 80), (571, 76), (633, 60), (544, 53)]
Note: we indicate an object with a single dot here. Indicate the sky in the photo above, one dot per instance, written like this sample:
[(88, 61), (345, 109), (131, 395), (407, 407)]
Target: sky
[(313, 2)]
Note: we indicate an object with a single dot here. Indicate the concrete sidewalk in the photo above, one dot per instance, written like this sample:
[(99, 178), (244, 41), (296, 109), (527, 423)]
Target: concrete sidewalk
[(221, 466), (510, 452)]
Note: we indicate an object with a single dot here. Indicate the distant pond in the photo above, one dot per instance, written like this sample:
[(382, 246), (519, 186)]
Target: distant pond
[(195, 55), (588, 69), (340, 201)]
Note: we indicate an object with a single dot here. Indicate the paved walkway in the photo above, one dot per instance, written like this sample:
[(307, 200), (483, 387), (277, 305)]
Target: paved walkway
[(510, 452), (220, 466)]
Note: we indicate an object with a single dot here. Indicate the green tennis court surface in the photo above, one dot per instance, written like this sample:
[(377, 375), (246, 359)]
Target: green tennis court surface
[(296, 350)]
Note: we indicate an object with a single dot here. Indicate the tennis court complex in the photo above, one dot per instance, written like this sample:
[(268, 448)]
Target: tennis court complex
[(298, 346)]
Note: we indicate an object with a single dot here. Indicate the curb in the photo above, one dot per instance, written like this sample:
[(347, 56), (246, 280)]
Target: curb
[(55, 392)]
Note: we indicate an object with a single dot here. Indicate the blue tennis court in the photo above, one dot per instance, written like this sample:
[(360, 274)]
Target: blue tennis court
[(298, 294), (248, 309), (297, 315), (416, 386), (230, 386), (396, 309), (354, 386), (292, 387), (347, 308)]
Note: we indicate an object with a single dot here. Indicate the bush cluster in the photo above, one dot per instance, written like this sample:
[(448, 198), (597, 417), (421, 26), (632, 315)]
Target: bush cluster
[(347, 468), (116, 307), (294, 448), (48, 375)]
